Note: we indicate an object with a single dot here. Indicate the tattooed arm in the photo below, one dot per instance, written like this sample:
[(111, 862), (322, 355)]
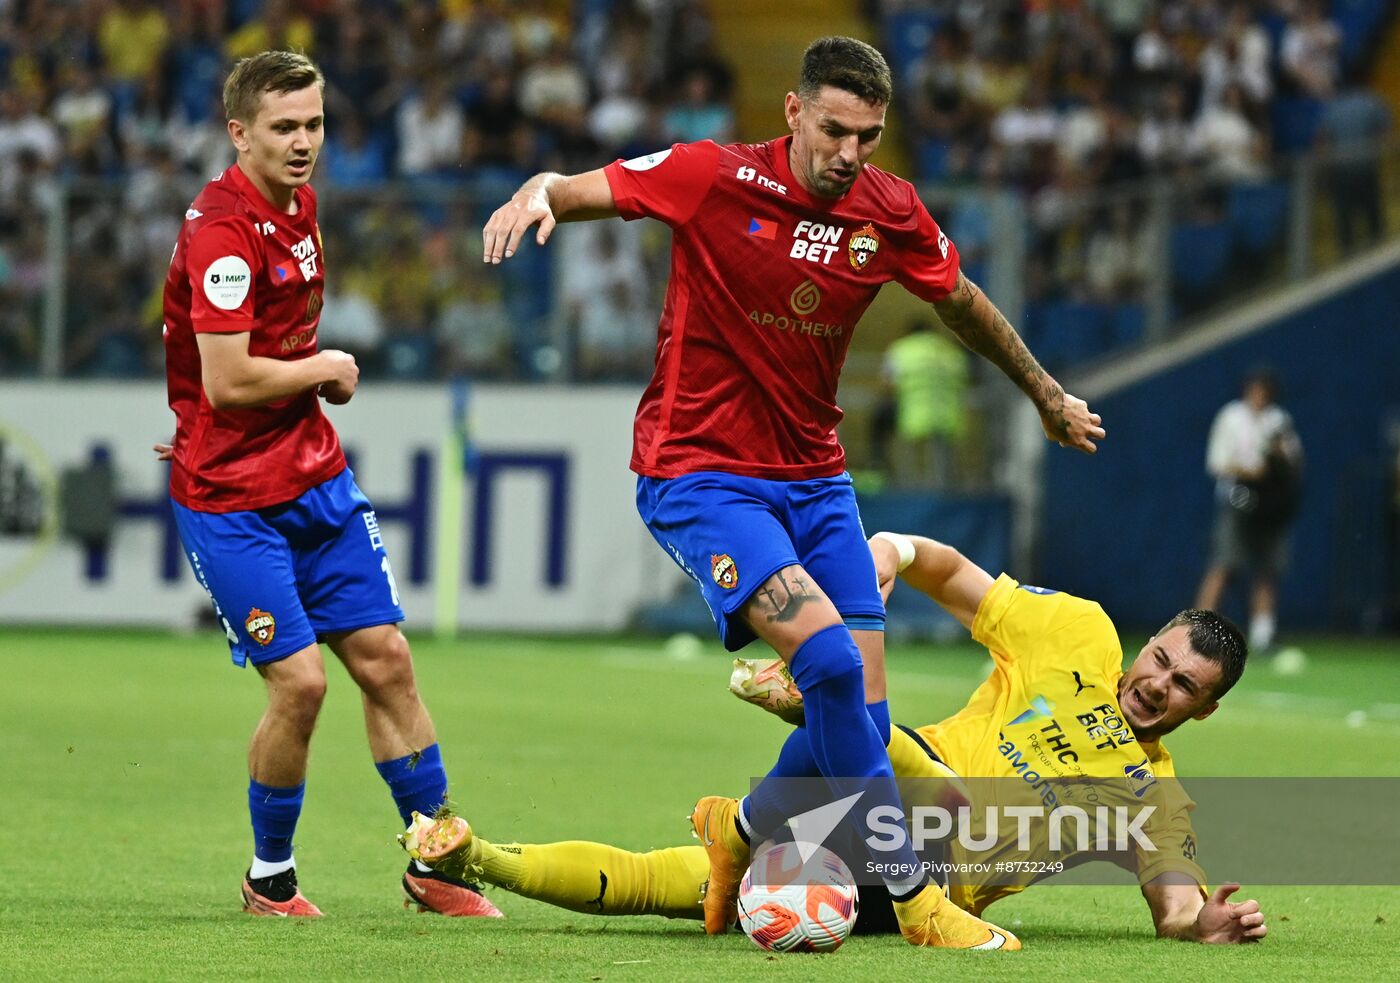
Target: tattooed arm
[(982, 328)]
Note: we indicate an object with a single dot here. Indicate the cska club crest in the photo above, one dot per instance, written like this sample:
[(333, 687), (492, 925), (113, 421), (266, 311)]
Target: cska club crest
[(724, 570), (864, 244), (261, 626)]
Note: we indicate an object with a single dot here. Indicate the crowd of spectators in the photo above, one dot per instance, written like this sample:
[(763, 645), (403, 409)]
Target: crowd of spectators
[(451, 101), (1056, 100), (437, 109)]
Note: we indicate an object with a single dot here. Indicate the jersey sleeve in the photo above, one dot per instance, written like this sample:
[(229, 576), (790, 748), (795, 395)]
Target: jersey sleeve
[(1019, 623), (928, 262), (668, 185), (1170, 832), (222, 262)]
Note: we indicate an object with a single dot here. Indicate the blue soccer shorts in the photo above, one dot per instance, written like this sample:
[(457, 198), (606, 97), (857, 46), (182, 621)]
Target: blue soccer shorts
[(731, 533), (285, 576)]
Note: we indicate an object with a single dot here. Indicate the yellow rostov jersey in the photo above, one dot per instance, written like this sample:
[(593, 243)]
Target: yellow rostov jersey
[(1043, 724)]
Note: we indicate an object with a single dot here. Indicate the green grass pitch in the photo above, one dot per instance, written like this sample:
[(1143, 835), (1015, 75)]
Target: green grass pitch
[(124, 830)]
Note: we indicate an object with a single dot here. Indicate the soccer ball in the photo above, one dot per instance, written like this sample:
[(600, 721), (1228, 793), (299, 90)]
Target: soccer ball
[(786, 905)]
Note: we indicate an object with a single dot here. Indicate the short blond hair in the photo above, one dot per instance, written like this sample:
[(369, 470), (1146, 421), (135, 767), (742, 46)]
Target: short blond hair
[(269, 71)]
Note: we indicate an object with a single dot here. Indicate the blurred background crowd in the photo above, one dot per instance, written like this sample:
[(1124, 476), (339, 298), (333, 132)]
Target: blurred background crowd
[(1131, 162)]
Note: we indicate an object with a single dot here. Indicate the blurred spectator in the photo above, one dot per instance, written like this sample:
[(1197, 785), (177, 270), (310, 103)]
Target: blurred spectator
[(1163, 139), (1026, 131), (1351, 130), (196, 64), (351, 157), (1119, 257), (699, 113), (153, 206), (276, 26), (1083, 136), (627, 62), (105, 339), (474, 327), (553, 90), (1226, 142), (938, 89), (144, 123), (619, 118), (1238, 56), (997, 81), (357, 68), (83, 111), (430, 129), (133, 37), (1311, 52), (201, 143), (926, 376), (536, 28), (351, 322), (23, 132), (606, 303), (493, 122)]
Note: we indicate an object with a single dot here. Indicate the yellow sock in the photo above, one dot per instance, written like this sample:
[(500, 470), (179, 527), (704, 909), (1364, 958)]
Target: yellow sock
[(598, 879)]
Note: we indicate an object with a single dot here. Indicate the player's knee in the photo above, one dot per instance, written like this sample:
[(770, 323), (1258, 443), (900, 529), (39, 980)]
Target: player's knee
[(299, 695), (788, 609), (388, 668)]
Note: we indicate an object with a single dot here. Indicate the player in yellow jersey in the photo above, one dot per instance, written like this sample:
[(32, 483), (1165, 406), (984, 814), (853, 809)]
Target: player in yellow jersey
[(1058, 718)]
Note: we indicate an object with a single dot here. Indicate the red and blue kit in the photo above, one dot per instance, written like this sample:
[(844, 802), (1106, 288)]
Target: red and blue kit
[(273, 524), (767, 284), (740, 470), (242, 265)]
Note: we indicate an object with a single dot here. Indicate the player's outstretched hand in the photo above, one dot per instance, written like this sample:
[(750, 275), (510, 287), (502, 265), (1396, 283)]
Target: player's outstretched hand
[(508, 224), (1069, 423), (345, 376), (1223, 922), (164, 452)]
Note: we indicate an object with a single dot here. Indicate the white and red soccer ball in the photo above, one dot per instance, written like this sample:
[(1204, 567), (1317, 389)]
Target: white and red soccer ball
[(787, 904)]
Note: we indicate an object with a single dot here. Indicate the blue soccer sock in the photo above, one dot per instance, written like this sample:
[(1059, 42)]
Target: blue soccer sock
[(418, 782), (847, 746), (769, 805), (274, 812), (880, 716)]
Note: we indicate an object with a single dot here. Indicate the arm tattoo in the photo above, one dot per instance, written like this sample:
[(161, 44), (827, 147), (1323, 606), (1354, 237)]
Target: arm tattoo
[(788, 597), (982, 328)]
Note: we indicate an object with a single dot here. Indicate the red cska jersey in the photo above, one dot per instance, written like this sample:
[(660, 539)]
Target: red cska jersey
[(242, 265), (767, 284)]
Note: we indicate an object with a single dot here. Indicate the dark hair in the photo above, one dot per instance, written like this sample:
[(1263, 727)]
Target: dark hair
[(848, 64), (269, 71), (1215, 638)]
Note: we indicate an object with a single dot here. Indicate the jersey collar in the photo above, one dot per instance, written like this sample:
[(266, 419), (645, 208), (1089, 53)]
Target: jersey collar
[(260, 204)]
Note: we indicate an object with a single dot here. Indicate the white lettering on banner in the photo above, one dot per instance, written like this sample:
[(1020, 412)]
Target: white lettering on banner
[(386, 429)]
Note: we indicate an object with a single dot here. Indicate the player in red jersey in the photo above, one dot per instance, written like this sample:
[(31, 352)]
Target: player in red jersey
[(274, 526), (777, 250)]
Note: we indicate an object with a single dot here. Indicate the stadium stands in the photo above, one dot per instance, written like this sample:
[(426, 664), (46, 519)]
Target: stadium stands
[(110, 119)]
